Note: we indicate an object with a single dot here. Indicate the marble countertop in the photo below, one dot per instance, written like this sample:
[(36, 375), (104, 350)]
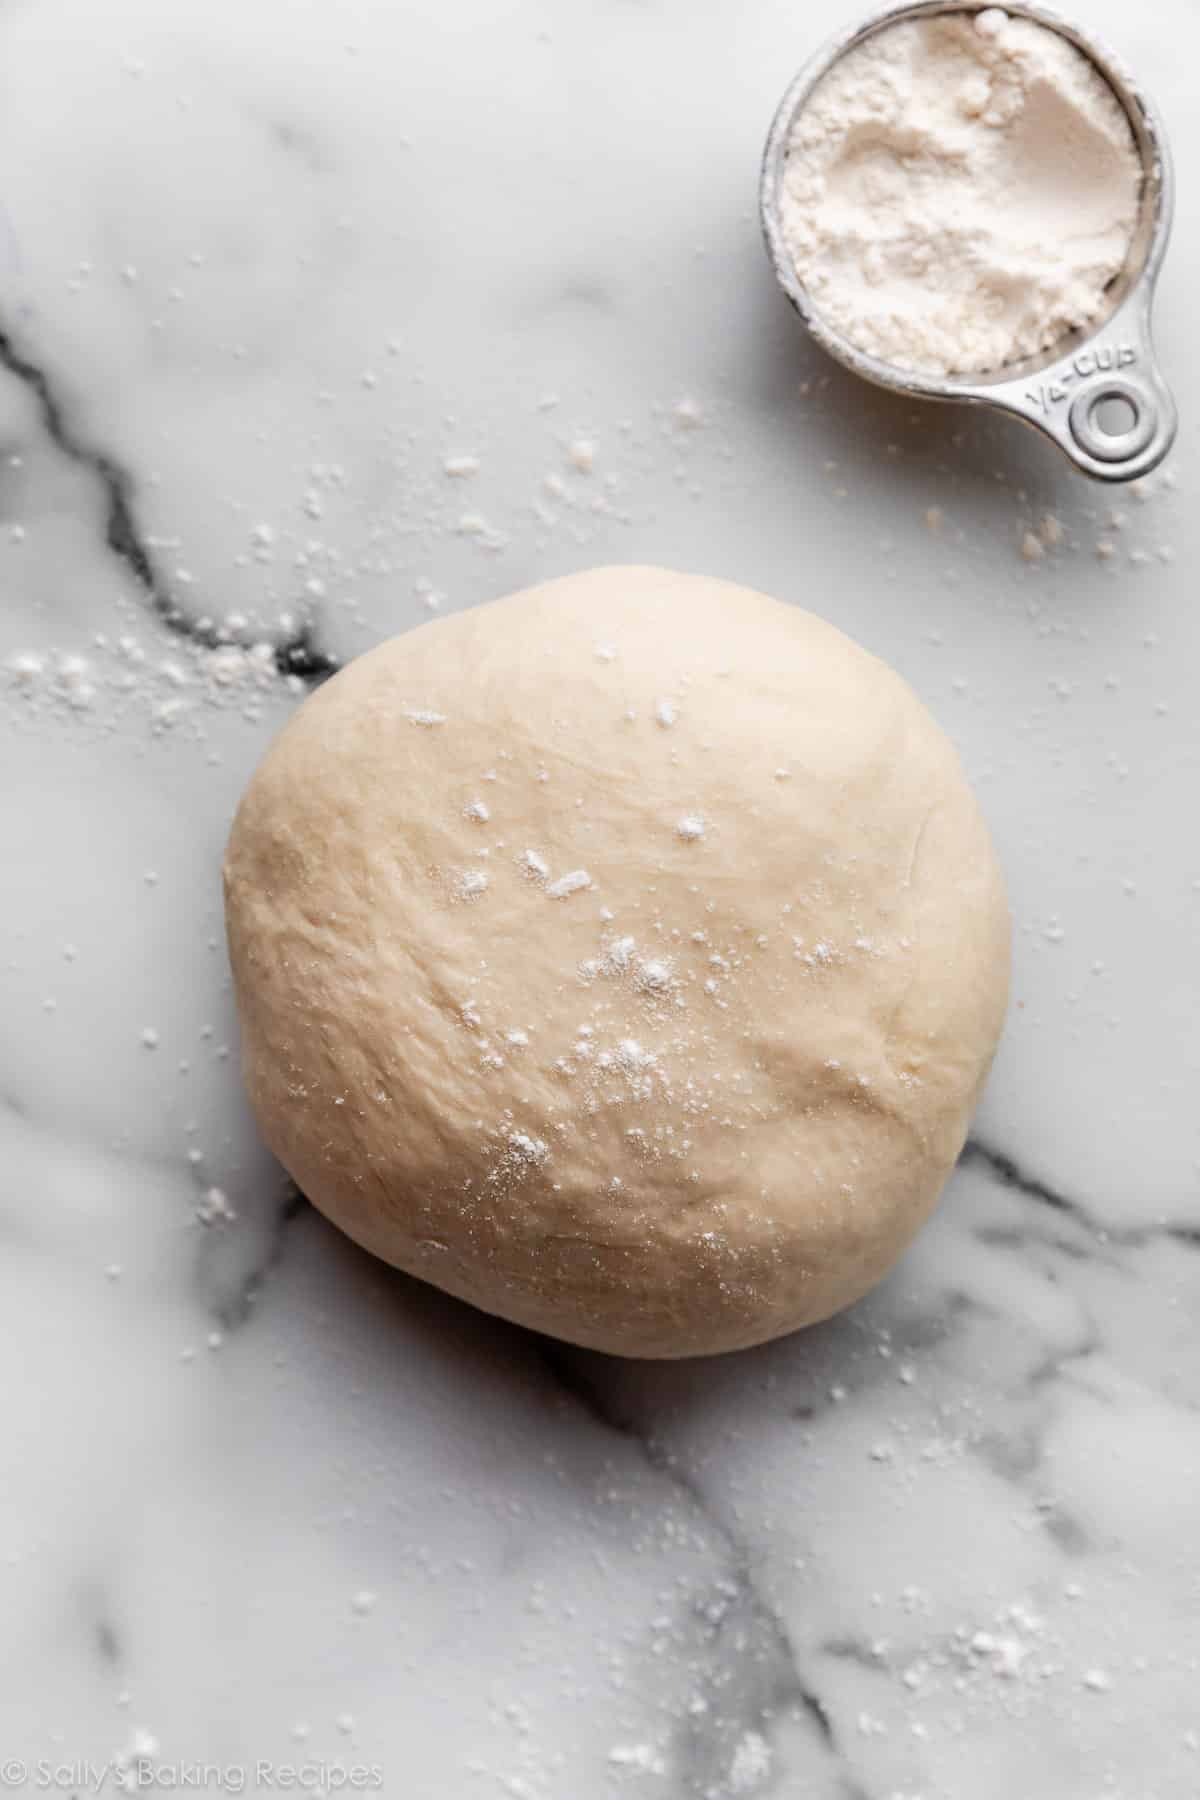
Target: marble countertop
[(269, 275)]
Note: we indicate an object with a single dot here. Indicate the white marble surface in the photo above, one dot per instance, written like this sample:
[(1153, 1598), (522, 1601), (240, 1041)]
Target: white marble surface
[(263, 266)]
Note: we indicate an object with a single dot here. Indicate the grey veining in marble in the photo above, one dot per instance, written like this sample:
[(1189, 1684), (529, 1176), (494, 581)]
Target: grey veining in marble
[(270, 275)]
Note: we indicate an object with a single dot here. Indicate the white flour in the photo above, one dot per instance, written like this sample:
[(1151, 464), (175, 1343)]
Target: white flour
[(959, 191)]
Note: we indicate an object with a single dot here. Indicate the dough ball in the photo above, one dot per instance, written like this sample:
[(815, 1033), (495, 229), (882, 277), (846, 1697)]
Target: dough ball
[(624, 957)]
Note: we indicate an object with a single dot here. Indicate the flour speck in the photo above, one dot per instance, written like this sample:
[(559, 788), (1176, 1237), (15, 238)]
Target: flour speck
[(534, 865), (751, 1763), (215, 1209), (643, 1758), (471, 884), (573, 882)]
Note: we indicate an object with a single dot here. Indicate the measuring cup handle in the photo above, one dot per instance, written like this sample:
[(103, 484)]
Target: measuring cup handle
[(1066, 402)]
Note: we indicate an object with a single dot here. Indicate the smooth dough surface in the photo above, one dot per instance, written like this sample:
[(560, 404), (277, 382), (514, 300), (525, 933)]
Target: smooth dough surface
[(624, 957)]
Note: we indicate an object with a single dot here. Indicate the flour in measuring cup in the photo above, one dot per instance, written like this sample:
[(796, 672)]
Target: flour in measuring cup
[(960, 191)]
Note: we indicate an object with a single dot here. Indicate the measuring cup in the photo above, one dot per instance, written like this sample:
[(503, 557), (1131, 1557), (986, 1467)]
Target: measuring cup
[(1067, 391)]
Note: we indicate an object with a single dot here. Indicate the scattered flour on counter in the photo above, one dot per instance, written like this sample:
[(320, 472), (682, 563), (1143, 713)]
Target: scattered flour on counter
[(750, 1765), (119, 676), (488, 536), (215, 1209), (643, 1758), (25, 668), (1036, 541), (688, 414), (173, 672), (142, 1747), (232, 666)]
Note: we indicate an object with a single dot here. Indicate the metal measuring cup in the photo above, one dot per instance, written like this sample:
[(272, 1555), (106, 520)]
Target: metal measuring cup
[(1063, 391)]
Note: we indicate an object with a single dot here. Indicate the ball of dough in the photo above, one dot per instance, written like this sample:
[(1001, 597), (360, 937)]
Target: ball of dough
[(624, 957)]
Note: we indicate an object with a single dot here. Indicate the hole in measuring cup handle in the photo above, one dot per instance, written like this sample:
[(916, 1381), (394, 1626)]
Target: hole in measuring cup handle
[(1113, 415), (1088, 426)]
